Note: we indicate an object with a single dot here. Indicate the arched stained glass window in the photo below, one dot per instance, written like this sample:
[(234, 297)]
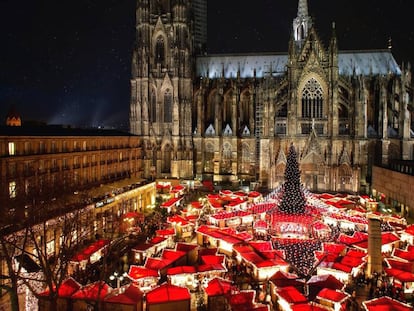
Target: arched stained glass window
[(312, 100), (160, 50), (209, 157), (167, 106)]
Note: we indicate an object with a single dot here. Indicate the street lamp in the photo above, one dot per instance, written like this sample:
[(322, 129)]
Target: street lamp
[(119, 278)]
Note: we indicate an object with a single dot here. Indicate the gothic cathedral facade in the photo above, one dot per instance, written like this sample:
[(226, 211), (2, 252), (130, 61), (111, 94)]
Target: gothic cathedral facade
[(231, 118)]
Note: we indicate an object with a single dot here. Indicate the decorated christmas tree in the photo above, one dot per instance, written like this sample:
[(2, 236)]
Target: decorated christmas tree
[(293, 199)]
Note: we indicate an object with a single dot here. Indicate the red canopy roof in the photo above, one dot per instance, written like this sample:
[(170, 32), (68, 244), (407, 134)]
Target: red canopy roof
[(166, 293), (410, 229), (254, 194), (332, 295), (66, 289), (291, 294), (165, 232), (226, 192), (157, 263), (131, 296), (260, 224), (181, 270), (178, 188), (170, 254), (261, 246), (211, 267), (91, 249), (283, 279), (171, 202), (93, 291), (176, 219), (325, 196), (341, 267), (386, 304), (218, 286), (355, 238), (407, 255), (325, 281), (240, 193), (212, 259), (185, 247), (163, 186), (196, 204), (157, 239), (386, 237), (140, 272), (241, 300), (401, 275)]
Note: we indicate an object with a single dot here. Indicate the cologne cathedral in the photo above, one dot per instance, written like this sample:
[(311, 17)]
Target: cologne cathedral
[(231, 118)]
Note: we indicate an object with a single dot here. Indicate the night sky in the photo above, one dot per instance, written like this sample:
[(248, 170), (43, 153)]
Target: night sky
[(68, 62)]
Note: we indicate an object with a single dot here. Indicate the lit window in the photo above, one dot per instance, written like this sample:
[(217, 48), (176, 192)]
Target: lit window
[(12, 150), (312, 100), (12, 189)]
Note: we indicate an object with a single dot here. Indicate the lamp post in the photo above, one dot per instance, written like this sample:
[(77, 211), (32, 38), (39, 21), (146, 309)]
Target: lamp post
[(119, 278)]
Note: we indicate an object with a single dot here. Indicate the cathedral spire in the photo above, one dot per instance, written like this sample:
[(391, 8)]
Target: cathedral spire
[(302, 23), (303, 8)]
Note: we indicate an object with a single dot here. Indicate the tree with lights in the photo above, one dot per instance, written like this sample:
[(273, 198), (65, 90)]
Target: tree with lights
[(293, 199)]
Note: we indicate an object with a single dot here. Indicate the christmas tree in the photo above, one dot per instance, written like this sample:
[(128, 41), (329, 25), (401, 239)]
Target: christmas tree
[(293, 199)]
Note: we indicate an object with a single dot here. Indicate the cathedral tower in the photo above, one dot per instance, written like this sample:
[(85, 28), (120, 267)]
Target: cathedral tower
[(162, 86)]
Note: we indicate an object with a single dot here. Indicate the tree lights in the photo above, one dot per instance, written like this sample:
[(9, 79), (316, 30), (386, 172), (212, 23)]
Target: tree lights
[(293, 199)]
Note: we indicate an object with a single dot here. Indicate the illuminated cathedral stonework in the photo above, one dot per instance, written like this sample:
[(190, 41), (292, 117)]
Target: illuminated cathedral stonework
[(232, 118)]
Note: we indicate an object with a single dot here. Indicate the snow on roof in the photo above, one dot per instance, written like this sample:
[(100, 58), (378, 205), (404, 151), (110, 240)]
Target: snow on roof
[(361, 62)]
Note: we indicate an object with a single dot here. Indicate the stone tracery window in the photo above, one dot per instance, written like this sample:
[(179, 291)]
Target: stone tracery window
[(166, 159), (226, 159), (160, 50), (312, 100), (209, 158), (246, 158), (167, 106)]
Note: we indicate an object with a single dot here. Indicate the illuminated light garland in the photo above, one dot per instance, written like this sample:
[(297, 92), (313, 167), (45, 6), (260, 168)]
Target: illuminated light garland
[(293, 199)]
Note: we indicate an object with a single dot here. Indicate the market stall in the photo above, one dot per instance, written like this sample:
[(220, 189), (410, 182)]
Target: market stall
[(144, 278), (191, 251), (385, 303), (88, 255), (183, 227), (333, 300), (216, 291), (126, 299), (149, 248), (407, 235), (401, 275), (65, 291), (283, 279), (288, 297), (168, 297), (318, 282), (184, 276), (90, 294), (129, 222), (244, 300), (171, 204)]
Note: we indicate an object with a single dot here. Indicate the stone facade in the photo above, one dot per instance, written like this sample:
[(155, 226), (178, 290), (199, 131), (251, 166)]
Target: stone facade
[(231, 118), (400, 192)]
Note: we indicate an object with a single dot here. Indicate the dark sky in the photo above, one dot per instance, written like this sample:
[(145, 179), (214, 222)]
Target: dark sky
[(68, 62)]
